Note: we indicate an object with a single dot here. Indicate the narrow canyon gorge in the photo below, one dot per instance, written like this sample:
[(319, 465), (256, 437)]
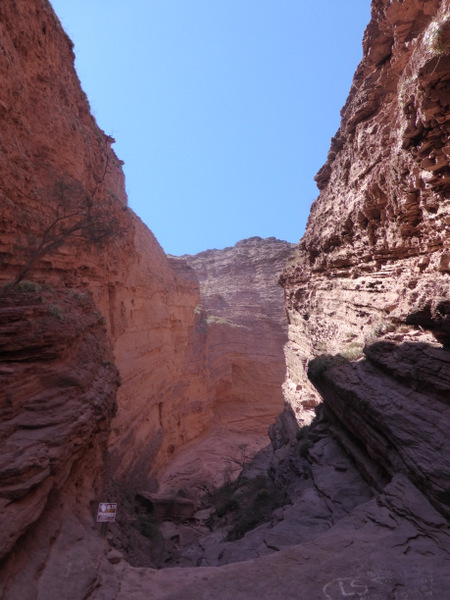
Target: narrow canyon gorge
[(271, 419)]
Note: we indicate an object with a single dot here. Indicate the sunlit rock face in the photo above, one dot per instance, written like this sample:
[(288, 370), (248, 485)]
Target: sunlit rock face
[(54, 152), (240, 331), (375, 251), (242, 305)]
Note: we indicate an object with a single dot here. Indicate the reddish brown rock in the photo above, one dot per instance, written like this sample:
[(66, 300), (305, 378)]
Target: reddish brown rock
[(240, 331), (369, 514), (53, 157), (392, 412), (242, 307), (52, 143), (58, 396), (375, 247), (241, 304), (239, 283)]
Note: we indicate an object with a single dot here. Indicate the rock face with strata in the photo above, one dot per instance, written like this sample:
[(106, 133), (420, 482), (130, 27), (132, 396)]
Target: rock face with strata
[(375, 250), (368, 297), (55, 159), (242, 305), (54, 153), (240, 332)]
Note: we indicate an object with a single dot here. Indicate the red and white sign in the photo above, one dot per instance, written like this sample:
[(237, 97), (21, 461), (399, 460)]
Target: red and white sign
[(106, 512)]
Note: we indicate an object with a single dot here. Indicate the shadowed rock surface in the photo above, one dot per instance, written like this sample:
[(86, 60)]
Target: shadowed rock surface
[(58, 397)]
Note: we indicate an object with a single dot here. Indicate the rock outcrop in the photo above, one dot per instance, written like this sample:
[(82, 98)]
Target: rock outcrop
[(57, 166), (240, 333), (375, 251), (58, 398), (368, 297), (392, 413)]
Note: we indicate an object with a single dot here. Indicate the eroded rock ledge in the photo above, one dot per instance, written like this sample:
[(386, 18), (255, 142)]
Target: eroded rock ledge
[(58, 397), (375, 251)]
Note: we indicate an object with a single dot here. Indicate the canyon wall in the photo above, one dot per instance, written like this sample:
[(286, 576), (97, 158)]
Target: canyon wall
[(367, 295), (376, 249), (56, 162), (94, 266), (367, 299), (58, 396), (242, 305), (240, 332)]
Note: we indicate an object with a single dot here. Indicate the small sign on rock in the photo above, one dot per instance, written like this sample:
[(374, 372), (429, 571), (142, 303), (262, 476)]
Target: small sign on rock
[(106, 512)]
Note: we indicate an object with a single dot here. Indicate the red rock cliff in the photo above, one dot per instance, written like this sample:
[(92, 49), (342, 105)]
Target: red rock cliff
[(242, 306), (374, 258), (376, 248), (60, 177), (240, 332), (51, 143)]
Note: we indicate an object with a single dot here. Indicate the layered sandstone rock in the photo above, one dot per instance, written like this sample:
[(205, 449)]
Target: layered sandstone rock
[(240, 331), (392, 412), (368, 511), (242, 305), (375, 251), (239, 282), (54, 157), (60, 177)]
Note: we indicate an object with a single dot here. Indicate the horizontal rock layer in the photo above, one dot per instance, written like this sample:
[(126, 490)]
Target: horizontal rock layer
[(240, 331), (58, 397), (242, 306), (375, 249)]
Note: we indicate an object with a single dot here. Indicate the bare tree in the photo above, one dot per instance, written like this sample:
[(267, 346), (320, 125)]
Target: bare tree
[(243, 459), (73, 216)]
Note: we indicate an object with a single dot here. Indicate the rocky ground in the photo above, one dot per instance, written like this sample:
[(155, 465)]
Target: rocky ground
[(356, 506)]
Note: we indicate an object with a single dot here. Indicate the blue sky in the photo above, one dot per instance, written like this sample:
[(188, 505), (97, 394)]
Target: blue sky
[(222, 110)]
